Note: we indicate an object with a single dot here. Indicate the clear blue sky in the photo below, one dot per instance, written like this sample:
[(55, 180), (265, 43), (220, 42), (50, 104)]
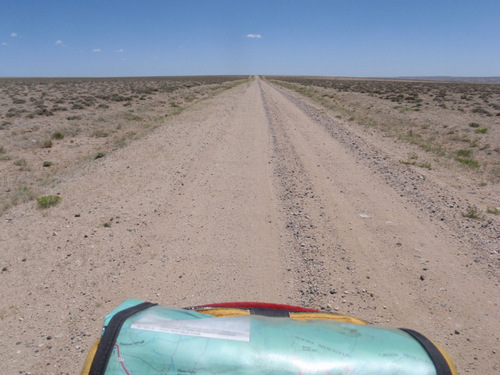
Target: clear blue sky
[(378, 38)]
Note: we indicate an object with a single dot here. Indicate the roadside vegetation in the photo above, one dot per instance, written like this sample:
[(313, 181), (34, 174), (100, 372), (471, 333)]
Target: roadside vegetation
[(456, 124), (50, 126)]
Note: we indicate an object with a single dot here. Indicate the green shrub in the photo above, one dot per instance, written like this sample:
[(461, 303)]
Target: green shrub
[(464, 153), (481, 131), (119, 98), (48, 201), (132, 117), (481, 111), (474, 125), (47, 163), (99, 155), (57, 135)]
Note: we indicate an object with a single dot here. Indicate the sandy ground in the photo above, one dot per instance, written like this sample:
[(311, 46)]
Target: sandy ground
[(253, 195)]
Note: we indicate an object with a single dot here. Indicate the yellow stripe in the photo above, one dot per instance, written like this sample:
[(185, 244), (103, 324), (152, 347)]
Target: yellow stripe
[(223, 311), (448, 359), (326, 316), (89, 359), (229, 311)]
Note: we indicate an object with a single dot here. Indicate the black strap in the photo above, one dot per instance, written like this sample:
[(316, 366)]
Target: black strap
[(440, 363), (270, 312), (109, 336)]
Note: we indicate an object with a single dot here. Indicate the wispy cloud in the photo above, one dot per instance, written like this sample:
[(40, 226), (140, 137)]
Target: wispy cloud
[(119, 50), (4, 44), (60, 43), (13, 35), (258, 36), (96, 50)]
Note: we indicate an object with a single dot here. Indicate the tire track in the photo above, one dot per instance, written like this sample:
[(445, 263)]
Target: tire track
[(433, 200), (296, 193)]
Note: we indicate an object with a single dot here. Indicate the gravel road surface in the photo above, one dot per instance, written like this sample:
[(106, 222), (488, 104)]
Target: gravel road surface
[(252, 195)]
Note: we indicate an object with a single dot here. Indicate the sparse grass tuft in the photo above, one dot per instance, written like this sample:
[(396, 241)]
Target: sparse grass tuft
[(22, 164), (496, 172), (20, 194), (474, 125), (47, 163), (469, 162), (426, 165), (493, 210), (47, 143), (132, 117), (464, 153), (99, 155), (481, 131), (100, 134), (48, 201), (406, 162), (472, 213)]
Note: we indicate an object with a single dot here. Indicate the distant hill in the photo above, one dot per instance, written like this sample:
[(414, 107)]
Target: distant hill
[(455, 79)]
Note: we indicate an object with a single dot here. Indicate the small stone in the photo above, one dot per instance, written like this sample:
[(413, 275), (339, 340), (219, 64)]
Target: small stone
[(422, 277)]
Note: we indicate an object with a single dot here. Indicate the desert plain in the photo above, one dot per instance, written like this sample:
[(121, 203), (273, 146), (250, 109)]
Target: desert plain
[(367, 197)]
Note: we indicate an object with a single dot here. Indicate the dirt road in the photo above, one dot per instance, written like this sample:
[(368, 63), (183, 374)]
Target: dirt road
[(253, 195)]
